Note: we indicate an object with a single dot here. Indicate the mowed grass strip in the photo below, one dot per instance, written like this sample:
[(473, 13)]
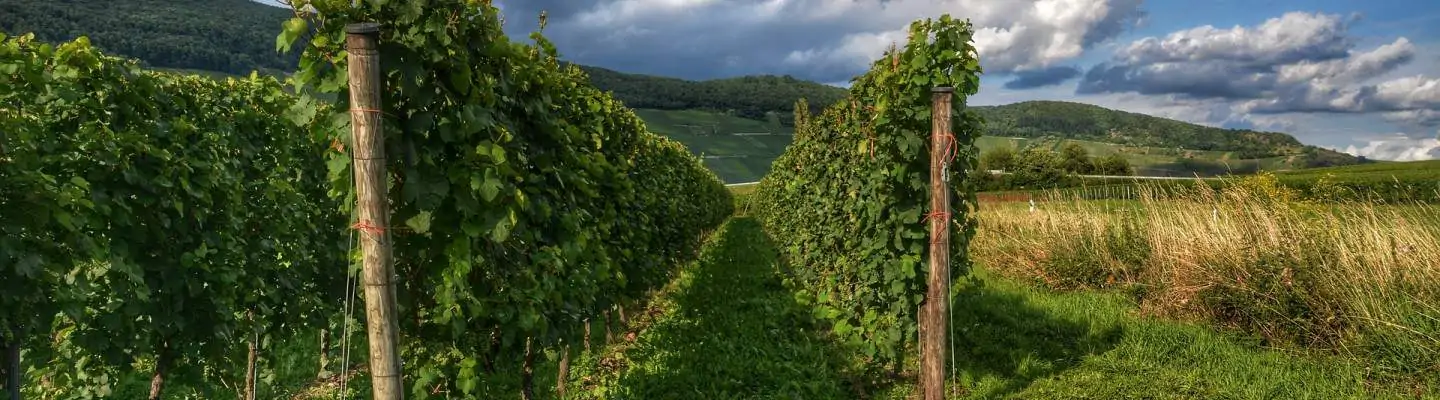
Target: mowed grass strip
[(729, 330)]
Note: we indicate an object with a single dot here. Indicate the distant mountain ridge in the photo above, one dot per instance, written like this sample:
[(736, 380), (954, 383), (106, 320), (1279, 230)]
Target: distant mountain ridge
[(237, 36)]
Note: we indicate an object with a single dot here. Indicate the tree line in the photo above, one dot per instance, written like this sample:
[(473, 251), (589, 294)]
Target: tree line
[(754, 97), (1039, 167)]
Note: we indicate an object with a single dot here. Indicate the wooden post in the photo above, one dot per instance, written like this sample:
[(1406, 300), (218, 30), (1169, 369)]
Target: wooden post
[(564, 373), (609, 335), (936, 324), (527, 374), (324, 354), (252, 358), (373, 209), (14, 375)]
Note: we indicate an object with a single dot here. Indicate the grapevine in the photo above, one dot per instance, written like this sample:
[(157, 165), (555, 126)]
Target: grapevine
[(847, 199), (526, 200), (154, 211)]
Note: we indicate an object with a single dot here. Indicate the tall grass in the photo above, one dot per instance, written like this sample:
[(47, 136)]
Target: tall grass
[(1358, 278)]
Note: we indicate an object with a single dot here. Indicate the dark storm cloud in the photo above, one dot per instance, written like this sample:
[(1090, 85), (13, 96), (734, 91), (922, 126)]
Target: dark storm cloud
[(1042, 78), (821, 40), (1198, 80)]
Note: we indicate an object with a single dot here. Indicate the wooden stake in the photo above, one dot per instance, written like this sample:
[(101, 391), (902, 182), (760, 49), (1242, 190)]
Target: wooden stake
[(14, 375), (162, 363), (252, 358), (564, 374), (527, 374), (935, 323), (368, 141), (609, 336), (324, 353), (587, 335)]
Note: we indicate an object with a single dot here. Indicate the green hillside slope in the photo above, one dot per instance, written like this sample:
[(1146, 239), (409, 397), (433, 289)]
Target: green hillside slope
[(1067, 120), (231, 36)]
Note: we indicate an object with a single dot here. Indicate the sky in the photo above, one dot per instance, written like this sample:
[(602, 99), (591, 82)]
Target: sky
[(1356, 76)]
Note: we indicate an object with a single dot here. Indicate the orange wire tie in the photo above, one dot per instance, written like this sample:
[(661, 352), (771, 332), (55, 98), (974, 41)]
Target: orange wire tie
[(944, 217), (365, 226)]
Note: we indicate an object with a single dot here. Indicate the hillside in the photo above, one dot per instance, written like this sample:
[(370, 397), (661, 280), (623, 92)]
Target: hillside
[(231, 36), (196, 36), (1067, 120)]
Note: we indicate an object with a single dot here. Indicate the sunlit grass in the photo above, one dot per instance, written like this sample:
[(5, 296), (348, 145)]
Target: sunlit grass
[(1354, 278)]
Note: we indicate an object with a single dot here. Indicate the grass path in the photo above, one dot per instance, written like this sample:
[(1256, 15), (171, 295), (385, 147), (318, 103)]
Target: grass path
[(728, 329)]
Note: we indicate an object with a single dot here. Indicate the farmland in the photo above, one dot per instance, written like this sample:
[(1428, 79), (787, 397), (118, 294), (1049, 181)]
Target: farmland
[(174, 233)]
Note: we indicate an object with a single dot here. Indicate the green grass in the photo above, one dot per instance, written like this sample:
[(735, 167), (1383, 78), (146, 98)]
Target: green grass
[(1014, 340), (729, 330), (735, 158)]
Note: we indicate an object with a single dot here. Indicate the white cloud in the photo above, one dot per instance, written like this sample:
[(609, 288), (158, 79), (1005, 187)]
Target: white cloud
[(1351, 69), (1297, 63), (1289, 38), (1398, 148)]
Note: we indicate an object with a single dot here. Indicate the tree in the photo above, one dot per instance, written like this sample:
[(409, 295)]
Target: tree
[(999, 159), (1075, 159), (1113, 164), (1038, 168)]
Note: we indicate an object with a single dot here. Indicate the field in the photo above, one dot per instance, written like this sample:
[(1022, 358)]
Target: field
[(1350, 278), (737, 149), (174, 236)]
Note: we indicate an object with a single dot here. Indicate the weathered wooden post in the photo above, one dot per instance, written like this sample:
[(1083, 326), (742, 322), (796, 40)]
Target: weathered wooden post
[(373, 209), (935, 323), (564, 374)]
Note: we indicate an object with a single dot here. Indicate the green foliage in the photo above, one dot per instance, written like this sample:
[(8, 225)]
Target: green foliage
[(1000, 159), (1039, 168), (847, 201), (1113, 164), (1075, 159), (164, 208), (532, 200), (232, 36)]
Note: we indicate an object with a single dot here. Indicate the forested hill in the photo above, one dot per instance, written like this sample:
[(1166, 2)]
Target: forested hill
[(749, 96), (1067, 120), (231, 36)]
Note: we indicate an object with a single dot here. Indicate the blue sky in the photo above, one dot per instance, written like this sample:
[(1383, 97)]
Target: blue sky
[(1356, 76)]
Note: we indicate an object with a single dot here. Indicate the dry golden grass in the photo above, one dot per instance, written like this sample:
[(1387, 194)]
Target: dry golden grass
[(1355, 277)]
